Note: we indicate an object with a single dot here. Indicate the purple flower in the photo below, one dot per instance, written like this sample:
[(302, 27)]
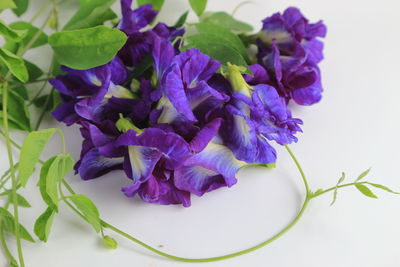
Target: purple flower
[(290, 51), (255, 115), (183, 87)]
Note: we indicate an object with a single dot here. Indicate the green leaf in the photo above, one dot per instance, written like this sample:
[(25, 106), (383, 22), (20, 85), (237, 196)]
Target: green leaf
[(31, 31), (43, 181), (21, 91), (365, 191), (9, 225), (43, 224), (182, 19), (91, 13), (10, 33), (22, 7), (157, 4), (52, 103), (53, 21), (341, 179), (18, 116), (31, 150), (4, 4), (223, 33), (225, 20), (88, 209), (87, 48), (362, 175), (34, 71), (110, 242), (61, 165), (15, 64), (198, 6), (216, 48), (383, 188)]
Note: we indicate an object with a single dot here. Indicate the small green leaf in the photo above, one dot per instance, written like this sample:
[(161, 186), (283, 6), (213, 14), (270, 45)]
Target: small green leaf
[(341, 179), (362, 175), (365, 191), (43, 181), (182, 19), (43, 224), (9, 225), (110, 242), (4, 4), (34, 71), (383, 188), (198, 6), (53, 22), (221, 32), (216, 48), (31, 31), (15, 65), (156, 4), (22, 7), (61, 165), (31, 150), (18, 116), (88, 209), (10, 33), (87, 48), (52, 103), (91, 13), (225, 20)]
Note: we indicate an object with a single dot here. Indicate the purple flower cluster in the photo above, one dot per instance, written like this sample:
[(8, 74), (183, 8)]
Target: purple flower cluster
[(177, 126)]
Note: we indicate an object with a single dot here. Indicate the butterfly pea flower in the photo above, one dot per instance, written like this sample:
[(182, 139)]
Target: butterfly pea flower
[(290, 50), (182, 83), (85, 93), (139, 43), (254, 116)]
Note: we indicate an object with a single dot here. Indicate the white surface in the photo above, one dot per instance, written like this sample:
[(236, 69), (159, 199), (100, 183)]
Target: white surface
[(356, 126)]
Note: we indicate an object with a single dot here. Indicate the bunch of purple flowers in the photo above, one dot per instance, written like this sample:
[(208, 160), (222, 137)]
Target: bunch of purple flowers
[(175, 121)]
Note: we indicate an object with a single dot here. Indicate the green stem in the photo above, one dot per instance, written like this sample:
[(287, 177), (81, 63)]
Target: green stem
[(335, 187), (12, 172), (3, 243), (43, 113), (211, 259)]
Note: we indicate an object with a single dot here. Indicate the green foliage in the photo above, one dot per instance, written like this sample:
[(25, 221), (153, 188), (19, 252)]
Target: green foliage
[(225, 20), (90, 14), (10, 33), (341, 179), (4, 4), (34, 71), (31, 150), (43, 181), (223, 33), (31, 31), (217, 48), (22, 6), (365, 190), (157, 4), (14, 64), (363, 175), (87, 48), (88, 209), (53, 101), (181, 21), (60, 166), (43, 224), (198, 6), (18, 114), (110, 242), (9, 225)]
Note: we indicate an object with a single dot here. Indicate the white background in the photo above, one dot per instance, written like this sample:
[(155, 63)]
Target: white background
[(355, 127)]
